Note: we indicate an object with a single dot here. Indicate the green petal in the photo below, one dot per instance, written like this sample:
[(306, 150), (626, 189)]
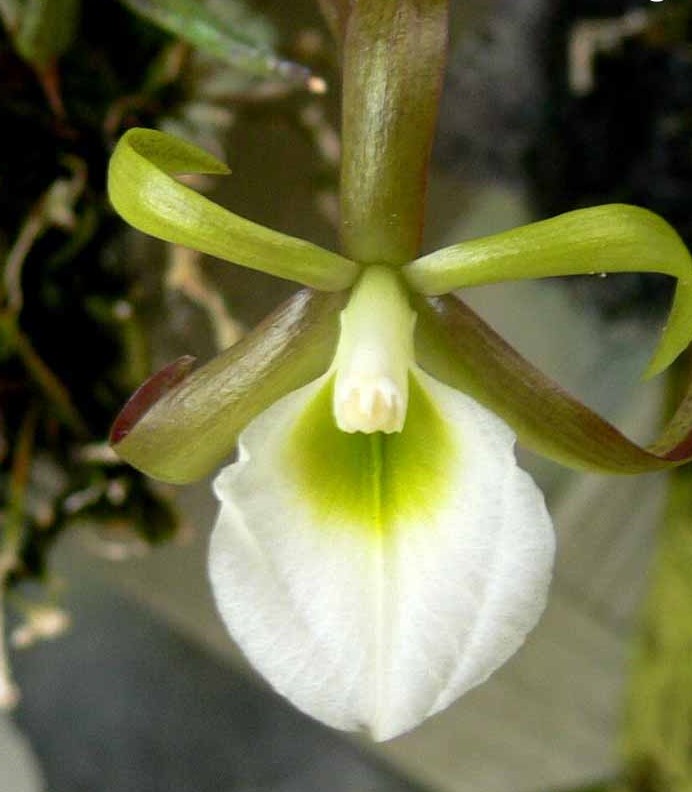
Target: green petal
[(143, 192), (457, 347), (612, 238), (193, 426)]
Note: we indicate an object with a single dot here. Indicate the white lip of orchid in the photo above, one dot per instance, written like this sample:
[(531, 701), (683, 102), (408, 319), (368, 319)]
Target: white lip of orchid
[(373, 583), (374, 355)]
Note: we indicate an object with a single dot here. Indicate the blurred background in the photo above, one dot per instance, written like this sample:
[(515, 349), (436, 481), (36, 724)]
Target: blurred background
[(127, 679)]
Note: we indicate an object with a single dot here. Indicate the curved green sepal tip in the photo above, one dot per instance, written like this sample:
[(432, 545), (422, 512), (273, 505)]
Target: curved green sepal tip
[(181, 429), (143, 192), (458, 348), (611, 238), (371, 481)]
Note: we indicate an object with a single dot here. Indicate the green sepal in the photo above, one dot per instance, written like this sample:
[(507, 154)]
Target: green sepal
[(394, 57), (193, 427), (144, 193), (458, 348), (611, 238)]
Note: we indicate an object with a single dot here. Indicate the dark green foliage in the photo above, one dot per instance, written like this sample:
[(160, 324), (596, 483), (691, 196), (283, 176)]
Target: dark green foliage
[(64, 352)]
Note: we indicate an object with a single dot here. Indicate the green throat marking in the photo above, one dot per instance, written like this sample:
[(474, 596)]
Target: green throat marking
[(371, 481)]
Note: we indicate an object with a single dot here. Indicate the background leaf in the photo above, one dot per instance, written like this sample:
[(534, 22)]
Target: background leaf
[(198, 25)]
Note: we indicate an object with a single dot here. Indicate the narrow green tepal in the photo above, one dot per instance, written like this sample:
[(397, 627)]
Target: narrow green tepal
[(193, 426), (394, 56), (144, 193), (610, 238), (458, 348)]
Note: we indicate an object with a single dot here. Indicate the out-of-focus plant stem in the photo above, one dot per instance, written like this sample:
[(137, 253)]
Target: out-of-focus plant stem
[(657, 731), (11, 538), (193, 22), (56, 393)]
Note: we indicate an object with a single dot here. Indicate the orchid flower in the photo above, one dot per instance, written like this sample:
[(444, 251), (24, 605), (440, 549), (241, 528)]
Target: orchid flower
[(377, 550)]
